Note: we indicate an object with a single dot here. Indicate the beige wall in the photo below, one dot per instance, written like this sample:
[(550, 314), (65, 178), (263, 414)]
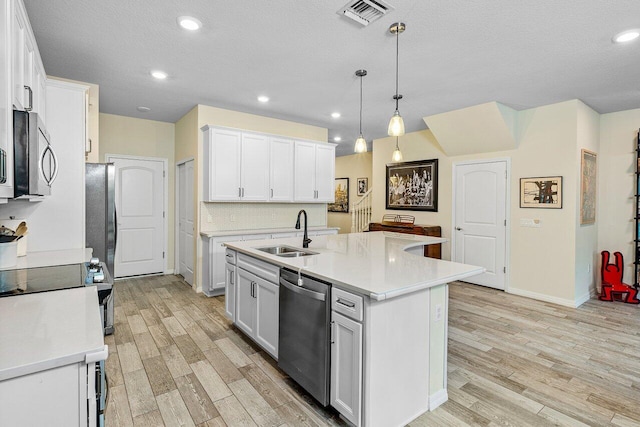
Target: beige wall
[(353, 167), (616, 180), (542, 260), (143, 138)]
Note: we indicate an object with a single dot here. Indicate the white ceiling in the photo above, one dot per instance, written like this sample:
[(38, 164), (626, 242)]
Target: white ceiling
[(454, 54)]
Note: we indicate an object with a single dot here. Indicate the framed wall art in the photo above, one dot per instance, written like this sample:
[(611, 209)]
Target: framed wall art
[(541, 192), (413, 185), (341, 193), (588, 170), (363, 186)]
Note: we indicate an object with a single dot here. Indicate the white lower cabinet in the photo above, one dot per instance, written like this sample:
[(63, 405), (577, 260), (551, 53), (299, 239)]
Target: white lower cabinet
[(257, 302), (346, 367)]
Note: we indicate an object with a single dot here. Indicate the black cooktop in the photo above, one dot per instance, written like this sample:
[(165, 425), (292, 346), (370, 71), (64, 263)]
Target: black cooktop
[(42, 279)]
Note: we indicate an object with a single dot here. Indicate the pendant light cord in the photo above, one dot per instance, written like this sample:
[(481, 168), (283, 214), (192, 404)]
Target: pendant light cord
[(360, 105), (397, 55)]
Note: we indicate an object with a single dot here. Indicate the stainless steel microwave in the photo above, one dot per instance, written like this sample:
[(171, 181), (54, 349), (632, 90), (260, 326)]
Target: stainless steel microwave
[(35, 162)]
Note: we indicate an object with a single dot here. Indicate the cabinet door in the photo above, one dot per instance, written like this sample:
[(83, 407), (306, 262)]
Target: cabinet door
[(19, 31), (245, 301), (224, 149), (28, 57), (267, 312), (281, 170), (218, 261), (6, 107), (305, 171), (39, 91), (325, 172), (254, 168), (346, 367), (230, 292)]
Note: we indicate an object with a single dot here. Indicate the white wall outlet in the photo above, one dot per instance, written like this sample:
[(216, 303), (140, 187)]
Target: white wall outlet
[(232, 218), (589, 268), (273, 216), (438, 316), (209, 218)]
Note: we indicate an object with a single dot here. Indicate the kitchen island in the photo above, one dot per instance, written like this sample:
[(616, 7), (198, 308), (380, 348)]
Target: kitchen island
[(388, 317)]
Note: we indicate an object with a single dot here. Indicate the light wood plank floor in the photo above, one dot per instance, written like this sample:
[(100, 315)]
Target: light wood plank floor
[(176, 360)]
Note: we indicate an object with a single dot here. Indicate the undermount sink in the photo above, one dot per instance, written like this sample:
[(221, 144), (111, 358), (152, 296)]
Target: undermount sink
[(286, 251)]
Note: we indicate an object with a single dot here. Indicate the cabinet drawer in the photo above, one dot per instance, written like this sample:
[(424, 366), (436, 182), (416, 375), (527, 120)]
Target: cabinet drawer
[(346, 303), (260, 268), (230, 256)]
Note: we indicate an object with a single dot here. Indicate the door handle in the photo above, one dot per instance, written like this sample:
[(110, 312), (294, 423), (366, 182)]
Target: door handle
[(331, 332), (239, 192), (458, 228), (345, 303), (30, 107)]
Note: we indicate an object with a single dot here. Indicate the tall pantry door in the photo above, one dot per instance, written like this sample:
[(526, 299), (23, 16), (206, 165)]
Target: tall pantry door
[(140, 246), (186, 225)]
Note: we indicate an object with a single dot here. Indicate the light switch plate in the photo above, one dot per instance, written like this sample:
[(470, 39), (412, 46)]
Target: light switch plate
[(529, 222)]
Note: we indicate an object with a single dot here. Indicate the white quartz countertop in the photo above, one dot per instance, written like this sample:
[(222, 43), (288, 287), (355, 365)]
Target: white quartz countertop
[(375, 264), (262, 231), (48, 329), (48, 258)]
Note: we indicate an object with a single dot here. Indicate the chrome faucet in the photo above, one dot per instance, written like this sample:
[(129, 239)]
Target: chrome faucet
[(305, 239)]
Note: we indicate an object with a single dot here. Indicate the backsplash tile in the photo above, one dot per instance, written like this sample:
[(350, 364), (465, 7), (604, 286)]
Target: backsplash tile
[(256, 216)]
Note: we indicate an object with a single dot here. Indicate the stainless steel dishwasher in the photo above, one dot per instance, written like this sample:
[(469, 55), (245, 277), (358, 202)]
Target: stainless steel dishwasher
[(304, 350)]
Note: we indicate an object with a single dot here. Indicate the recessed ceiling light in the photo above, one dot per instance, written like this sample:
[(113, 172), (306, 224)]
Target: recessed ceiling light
[(189, 23), (335, 115), (626, 36), (337, 138), (143, 109), (263, 98), (160, 75)]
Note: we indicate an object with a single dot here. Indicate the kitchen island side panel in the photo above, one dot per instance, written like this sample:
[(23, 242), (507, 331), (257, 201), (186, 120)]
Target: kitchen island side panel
[(397, 359)]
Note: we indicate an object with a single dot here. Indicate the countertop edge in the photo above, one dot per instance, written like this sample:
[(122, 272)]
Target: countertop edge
[(223, 233), (18, 371)]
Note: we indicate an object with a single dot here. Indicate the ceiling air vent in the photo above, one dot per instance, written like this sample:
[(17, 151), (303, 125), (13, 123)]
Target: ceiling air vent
[(365, 12)]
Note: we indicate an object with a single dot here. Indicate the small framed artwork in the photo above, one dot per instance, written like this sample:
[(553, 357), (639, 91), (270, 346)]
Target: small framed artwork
[(341, 193), (588, 169), (541, 192), (363, 186), (413, 185)]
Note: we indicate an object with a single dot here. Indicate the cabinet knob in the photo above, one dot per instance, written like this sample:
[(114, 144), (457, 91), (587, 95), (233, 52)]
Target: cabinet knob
[(458, 228)]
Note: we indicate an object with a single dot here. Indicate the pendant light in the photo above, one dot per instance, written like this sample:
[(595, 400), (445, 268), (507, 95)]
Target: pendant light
[(397, 154), (396, 124), (361, 143)]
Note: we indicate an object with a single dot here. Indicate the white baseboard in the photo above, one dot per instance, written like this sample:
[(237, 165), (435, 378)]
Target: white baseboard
[(438, 398), (547, 298), (167, 272)]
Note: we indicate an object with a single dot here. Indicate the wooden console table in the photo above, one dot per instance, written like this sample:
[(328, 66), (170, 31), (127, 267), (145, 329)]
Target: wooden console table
[(431, 251)]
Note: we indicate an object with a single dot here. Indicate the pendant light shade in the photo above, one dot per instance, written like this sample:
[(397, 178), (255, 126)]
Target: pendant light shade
[(361, 144), (397, 154), (396, 124)]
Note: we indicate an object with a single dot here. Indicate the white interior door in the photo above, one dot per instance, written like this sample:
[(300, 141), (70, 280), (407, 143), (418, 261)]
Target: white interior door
[(185, 221), (479, 227), (140, 247)]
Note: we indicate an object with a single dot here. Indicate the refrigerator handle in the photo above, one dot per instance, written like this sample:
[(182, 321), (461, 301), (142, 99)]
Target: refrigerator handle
[(115, 224)]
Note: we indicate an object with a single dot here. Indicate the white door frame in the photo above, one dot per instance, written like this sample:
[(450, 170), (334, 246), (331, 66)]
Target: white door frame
[(507, 160), (176, 217), (165, 182)]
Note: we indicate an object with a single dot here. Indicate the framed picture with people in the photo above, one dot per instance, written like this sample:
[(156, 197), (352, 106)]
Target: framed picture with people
[(413, 185), (363, 186)]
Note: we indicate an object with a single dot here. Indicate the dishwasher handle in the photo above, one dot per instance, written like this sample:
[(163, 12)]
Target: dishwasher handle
[(302, 291)]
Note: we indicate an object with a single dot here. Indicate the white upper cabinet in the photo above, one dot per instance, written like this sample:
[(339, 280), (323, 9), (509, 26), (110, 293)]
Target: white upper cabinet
[(254, 168), (22, 81), (28, 77), (281, 170), (325, 172), (222, 151), (244, 166), (314, 172), (305, 172)]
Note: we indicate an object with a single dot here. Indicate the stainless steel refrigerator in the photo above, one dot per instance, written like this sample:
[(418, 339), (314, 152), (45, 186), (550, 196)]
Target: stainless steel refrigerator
[(100, 212)]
